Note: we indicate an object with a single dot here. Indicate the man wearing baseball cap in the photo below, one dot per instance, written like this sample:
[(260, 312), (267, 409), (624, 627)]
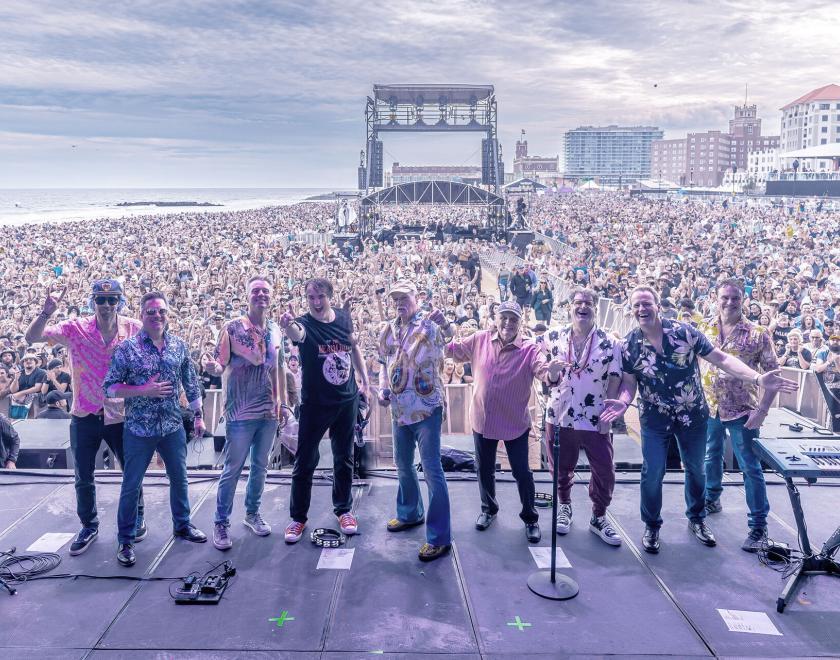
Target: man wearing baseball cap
[(90, 342), (504, 366), (411, 350)]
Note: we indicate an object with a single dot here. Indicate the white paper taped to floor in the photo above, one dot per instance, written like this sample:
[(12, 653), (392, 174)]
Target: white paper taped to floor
[(336, 558), (542, 557), (757, 623), (50, 542)]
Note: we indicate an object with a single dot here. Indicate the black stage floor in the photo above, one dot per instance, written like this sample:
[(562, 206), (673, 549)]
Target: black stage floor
[(471, 604)]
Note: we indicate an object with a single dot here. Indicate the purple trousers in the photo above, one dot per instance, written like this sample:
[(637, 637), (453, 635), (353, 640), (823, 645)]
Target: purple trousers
[(599, 452)]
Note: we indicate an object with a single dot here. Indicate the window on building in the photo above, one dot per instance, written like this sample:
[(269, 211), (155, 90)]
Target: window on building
[(824, 129), (825, 106), (823, 141), (825, 117)]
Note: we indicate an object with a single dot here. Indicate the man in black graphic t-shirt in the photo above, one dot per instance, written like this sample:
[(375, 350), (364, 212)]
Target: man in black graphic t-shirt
[(329, 359)]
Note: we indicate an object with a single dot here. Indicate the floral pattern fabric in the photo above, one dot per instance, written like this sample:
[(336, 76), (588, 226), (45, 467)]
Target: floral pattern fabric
[(670, 388), (135, 362), (728, 396), (577, 401), (251, 357), (413, 358)]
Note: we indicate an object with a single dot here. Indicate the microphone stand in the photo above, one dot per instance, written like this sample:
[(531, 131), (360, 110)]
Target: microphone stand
[(546, 582)]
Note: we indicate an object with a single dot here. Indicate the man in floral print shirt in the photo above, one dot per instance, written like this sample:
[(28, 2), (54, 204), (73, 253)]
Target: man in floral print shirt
[(660, 357), (735, 407)]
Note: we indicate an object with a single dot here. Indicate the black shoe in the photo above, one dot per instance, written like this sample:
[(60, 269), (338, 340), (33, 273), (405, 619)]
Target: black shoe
[(650, 541), (703, 533), (713, 507), (141, 531), (532, 532), (125, 555), (484, 520), (83, 540), (191, 533)]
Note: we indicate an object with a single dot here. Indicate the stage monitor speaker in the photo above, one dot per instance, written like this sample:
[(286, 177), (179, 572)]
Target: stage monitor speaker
[(45, 444)]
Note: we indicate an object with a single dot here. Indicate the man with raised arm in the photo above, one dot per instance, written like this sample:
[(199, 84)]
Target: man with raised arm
[(90, 342), (330, 359), (660, 357)]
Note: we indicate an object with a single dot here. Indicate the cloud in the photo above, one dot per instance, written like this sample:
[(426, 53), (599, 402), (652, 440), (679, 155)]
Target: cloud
[(283, 84)]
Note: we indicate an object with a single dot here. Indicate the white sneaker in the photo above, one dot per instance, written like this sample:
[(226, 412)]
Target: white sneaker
[(564, 518), (602, 527)]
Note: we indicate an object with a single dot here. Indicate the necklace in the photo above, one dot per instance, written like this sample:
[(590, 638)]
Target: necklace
[(578, 367)]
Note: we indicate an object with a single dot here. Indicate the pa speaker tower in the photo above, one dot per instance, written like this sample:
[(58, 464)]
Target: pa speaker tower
[(375, 164)]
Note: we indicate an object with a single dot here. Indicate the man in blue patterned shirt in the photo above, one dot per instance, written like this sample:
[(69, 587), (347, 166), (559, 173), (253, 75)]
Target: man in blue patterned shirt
[(148, 371), (660, 357)]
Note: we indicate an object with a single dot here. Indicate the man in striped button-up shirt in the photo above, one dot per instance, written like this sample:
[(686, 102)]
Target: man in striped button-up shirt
[(504, 366)]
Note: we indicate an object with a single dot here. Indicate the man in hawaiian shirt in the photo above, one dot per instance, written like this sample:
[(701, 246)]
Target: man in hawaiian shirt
[(734, 407), (660, 357), (90, 342), (411, 350), (591, 375), (251, 349), (148, 371)]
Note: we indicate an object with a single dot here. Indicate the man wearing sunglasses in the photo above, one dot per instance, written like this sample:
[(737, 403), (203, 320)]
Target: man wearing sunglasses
[(148, 371), (90, 342)]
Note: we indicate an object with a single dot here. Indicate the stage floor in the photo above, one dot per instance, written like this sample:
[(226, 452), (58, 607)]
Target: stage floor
[(473, 603)]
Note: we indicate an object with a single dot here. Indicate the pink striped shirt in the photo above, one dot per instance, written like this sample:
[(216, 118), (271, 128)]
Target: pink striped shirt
[(503, 377), (89, 361)]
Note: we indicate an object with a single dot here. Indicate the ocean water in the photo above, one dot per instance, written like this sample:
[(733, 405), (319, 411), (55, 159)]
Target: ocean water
[(19, 206)]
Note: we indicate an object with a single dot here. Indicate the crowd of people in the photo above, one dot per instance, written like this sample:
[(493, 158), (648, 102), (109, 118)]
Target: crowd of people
[(397, 321)]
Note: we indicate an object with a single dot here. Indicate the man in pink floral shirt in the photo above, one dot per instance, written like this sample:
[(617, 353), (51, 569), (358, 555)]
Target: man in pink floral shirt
[(90, 342)]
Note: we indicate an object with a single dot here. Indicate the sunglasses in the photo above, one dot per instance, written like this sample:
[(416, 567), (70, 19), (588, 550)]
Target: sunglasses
[(107, 300), (155, 312)]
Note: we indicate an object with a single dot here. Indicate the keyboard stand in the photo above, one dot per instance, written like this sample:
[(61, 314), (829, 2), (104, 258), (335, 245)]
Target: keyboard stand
[(819, 564)]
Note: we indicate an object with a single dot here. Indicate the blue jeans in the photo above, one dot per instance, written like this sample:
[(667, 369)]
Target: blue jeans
[(692, 445), (86, 436), (138, 454), (251, 435), (743, 444), (426, 435)]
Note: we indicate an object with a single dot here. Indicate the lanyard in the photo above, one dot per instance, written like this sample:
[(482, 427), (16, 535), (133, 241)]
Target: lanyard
[(577, 368)]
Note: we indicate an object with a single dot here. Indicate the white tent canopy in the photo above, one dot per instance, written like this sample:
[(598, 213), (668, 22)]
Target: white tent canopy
[(819, 151)]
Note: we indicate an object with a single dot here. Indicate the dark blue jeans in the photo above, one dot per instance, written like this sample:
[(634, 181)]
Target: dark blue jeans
[(692, 444), (743, 444), (138, 454), (86, 436)]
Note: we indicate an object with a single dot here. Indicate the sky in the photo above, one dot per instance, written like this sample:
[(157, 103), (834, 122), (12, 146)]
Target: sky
[(234, 93)]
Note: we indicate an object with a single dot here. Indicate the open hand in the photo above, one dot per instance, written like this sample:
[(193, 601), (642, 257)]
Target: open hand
[(613, 409), (773, 381), (157, 389)]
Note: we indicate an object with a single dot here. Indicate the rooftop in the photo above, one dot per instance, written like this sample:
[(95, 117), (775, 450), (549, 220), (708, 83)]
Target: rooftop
[(824, 93)]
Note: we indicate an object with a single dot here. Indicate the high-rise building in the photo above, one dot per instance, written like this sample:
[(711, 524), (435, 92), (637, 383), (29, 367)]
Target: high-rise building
[(812, 119), (611, 154), (668, 161), (708, 155)]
